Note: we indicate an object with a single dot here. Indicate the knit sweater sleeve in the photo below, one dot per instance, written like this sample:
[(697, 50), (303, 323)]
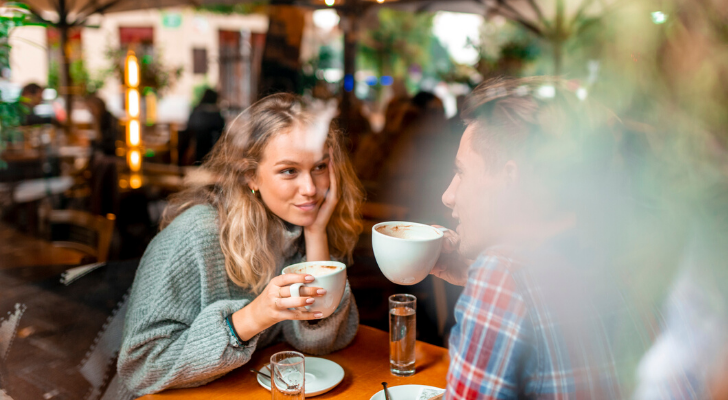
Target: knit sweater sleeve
[(328, 335), (175, 334)]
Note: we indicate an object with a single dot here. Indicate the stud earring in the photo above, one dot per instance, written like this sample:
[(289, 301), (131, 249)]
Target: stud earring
[(253, 190)]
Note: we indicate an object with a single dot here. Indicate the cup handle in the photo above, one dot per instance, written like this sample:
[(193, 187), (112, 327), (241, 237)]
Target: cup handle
[(295, 292)]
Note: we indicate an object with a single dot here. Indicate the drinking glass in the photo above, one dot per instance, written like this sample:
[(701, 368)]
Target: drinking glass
[(402, 332), (287, 376)]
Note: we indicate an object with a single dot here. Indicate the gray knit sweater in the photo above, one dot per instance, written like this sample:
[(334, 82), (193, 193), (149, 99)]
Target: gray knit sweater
[(175, 334)]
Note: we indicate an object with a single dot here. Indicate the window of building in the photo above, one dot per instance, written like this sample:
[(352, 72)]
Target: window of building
[(199, 61)]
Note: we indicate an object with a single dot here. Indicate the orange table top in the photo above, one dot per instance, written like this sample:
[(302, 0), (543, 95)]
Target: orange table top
[(365, 362)]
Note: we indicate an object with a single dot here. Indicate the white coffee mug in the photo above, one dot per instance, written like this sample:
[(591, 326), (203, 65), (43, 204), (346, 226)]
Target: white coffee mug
[(407, 257), (334, 282)]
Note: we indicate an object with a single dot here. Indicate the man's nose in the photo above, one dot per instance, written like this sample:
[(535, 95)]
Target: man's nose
[(448, 198)]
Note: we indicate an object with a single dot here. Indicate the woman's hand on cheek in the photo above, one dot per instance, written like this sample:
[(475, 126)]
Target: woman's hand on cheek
[(330, 201)]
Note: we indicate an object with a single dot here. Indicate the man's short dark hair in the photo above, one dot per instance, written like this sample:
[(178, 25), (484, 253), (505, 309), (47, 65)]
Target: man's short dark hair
[(528, 118), (31, 89)]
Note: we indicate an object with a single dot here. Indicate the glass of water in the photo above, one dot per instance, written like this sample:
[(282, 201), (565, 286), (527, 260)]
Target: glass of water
[(402, 333), (288, 376)]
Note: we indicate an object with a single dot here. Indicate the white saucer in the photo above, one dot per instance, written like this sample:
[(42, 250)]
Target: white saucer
[(321, 376), (404, 392)]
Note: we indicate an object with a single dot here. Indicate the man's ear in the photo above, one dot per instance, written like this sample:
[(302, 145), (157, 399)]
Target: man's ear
[(511, 173)]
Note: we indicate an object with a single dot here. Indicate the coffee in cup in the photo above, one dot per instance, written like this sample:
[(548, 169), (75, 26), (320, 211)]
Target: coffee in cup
[(406, 252), (315, 269), (329, 275)]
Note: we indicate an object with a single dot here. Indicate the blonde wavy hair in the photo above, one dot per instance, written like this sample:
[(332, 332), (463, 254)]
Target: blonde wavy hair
[(251, 236)]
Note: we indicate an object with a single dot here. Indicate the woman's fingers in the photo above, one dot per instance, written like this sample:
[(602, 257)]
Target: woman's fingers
[(333, 184), (301, 315), (293, 302), (289, 279), (303, 291)]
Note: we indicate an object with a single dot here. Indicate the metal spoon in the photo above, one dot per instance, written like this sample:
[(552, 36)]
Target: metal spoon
[(271, 381), (260, 373), (386, 392)]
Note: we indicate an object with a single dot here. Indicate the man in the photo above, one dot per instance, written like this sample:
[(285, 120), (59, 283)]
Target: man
[(31, 96), (541, 315)]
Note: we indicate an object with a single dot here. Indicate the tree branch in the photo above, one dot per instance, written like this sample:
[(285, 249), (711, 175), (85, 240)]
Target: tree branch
[(519, 19)]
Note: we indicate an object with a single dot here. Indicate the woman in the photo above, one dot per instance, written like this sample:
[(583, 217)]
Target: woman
[(208, 291)]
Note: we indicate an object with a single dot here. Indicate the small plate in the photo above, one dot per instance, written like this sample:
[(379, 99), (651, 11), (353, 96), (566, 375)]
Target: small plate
[(322, 375), (404, 392)]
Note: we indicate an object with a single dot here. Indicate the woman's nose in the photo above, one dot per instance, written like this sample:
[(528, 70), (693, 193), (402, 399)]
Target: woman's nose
[(308, 188)]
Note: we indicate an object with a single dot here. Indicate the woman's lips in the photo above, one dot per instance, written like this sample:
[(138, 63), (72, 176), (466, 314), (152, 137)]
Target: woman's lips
[(307, 206)]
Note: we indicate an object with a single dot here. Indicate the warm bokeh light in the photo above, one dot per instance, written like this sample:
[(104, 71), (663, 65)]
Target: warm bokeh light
[(329, 3), (151, 109), (132, 70), (135, 181), (132, 103), (134, 133), (135, 160)]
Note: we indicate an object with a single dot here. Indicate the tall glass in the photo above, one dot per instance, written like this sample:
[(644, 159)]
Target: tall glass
[(402, 334), (288, 376)]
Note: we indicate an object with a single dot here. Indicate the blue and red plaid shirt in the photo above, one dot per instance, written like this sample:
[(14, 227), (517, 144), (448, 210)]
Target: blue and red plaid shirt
[(526, 332)]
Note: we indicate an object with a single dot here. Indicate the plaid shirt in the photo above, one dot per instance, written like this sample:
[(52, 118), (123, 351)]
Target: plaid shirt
[(511, 339)]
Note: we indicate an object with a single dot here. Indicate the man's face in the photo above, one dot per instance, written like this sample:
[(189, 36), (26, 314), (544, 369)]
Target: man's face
[(476, 197), (34, 98)]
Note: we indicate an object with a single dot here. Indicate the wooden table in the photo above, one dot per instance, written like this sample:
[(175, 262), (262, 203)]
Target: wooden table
[(19, 250), (365, 363)]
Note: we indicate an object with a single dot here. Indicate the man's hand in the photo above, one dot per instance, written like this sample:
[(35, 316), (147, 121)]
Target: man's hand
[(451, 267)]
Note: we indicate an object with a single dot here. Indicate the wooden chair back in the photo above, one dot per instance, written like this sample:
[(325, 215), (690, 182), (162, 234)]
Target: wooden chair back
[(82, 231)]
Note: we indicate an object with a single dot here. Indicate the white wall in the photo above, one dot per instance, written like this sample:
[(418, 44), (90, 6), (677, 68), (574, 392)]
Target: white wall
[(28, 57)]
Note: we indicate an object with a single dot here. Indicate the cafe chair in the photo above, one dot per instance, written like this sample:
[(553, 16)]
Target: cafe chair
[(81, 231)]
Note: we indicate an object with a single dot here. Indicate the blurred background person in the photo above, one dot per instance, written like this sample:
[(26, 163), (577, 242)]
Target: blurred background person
[(411, 175), (103, 179), (205, 125), (105, 124), (30, 96)]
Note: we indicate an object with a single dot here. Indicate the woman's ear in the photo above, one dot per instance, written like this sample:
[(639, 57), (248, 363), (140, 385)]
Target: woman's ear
[(252, 181)]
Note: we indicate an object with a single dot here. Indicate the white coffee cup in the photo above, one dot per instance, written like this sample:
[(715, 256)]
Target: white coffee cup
[(333, 281), (406, 252)]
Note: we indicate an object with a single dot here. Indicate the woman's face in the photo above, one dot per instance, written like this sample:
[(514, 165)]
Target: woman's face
[(292, 179)]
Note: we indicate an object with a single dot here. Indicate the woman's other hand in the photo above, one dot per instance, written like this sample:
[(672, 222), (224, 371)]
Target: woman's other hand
[(330, 200), (317, 243), (275, 304), (451, 267)]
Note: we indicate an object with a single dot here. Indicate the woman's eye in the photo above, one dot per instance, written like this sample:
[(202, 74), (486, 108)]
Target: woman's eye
[(321, 167), (289, 171)]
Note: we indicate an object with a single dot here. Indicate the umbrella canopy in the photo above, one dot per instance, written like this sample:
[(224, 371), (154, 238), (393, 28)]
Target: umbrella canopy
[(76, 11)]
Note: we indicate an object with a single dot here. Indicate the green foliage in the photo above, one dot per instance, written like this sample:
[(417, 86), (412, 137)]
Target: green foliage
[(198, 90), (505, 45), (80, 76), (154, 74), (239, 8), (14, 15), (401, 40)]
